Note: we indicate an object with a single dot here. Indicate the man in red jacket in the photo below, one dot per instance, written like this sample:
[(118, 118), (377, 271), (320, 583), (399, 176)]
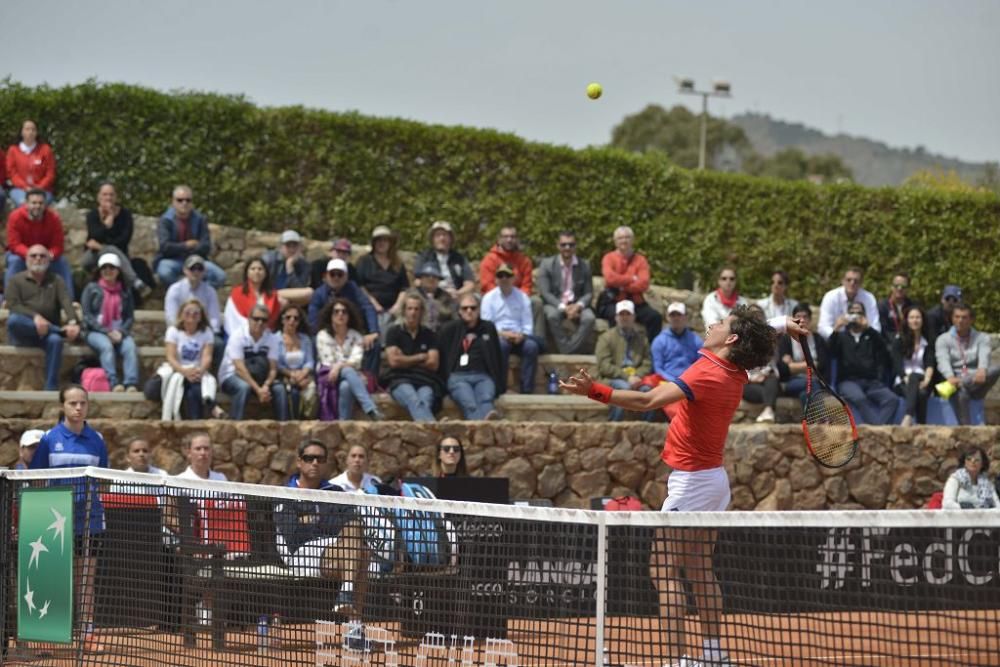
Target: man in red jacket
[(33, 224), (626, 276), (507, 250)]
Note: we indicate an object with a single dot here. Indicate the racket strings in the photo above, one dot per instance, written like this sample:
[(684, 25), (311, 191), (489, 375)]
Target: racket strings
[(829, 428)]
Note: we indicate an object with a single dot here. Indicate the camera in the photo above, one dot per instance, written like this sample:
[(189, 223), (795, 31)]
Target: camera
[(853, 317)]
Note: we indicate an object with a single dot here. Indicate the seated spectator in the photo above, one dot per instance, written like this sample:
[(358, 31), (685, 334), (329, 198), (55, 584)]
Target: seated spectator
[(720, 303), (471, 362), (29, 443), (507, 250), (108, 316), (566, 287), (34, 224), (109, 230), (763, 387), (939, 317), (450, 459), (250, 365), (791, 357), (676, 347), (456, 273), (340, 380), (192, 286), (626, 277), (323, 539), (913, 364), (439, 307), (296, 363), (833, 309), (338, 285), (38, 301), (30, 165), (382, 276), (963, 359), (892, 309), (509, 309), (862, 358), (778, 304), (339, 249), (623, 357), (181, 232), (186, 376), (413, 357), (356, 478), (969, 486), (289, 269), (3, 181), (255, 289)]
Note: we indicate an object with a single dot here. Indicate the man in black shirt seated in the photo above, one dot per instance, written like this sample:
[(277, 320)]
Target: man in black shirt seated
[(412, 353), (471, 362), (862, 358)]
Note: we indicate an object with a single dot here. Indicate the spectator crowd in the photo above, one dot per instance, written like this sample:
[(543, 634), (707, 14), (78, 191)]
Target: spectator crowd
[(317, 339)]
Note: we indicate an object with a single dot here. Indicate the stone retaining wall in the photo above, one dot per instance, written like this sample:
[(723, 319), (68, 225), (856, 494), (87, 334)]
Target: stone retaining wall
[(570, 463)]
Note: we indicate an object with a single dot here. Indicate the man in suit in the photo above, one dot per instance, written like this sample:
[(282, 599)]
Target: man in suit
[(566, 286)]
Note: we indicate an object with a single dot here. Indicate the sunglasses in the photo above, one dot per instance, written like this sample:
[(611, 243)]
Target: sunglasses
[(567, 245), (196, 267), (182, 200), (951, 298), (313, 458), (339, 311), (470, 308), (259, 319), (291, 318), (337, 274), (450, 449), (505, 275), (900, 285)]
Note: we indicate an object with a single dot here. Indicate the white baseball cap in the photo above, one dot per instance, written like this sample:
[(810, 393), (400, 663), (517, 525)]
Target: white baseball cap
[(336, 264), (290, 236), (31, 437), (677, 307), (625, 305), (109, 258)]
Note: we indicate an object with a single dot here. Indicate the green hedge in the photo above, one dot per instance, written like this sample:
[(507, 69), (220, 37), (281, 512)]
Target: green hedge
[(328, 173)]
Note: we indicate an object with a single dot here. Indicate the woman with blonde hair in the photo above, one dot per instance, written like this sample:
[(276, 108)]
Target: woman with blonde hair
[(382, 276), (186, 377)]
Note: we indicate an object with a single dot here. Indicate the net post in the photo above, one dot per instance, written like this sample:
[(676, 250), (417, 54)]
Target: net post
[(600, 598)]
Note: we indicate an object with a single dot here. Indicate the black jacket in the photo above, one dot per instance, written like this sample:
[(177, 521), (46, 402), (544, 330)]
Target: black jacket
[(450, 344), (866, 359)]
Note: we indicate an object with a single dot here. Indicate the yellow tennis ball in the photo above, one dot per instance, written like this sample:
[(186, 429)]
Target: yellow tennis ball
[(594, 91)]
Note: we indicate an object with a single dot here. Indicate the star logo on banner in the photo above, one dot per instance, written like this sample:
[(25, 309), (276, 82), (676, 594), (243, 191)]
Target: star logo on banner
[(44, 610), (29, 597), (36, 549), (59, 526)]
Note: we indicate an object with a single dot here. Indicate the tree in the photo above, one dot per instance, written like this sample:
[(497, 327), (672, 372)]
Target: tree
[(990, 179), (792, 164), (677, 133)]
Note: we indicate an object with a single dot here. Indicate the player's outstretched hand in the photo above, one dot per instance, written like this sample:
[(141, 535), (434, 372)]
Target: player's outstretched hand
[(578, 384), (795, 329)]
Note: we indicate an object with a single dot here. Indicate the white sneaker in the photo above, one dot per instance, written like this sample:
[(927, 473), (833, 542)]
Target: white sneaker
[(766, 415), (907, 421)]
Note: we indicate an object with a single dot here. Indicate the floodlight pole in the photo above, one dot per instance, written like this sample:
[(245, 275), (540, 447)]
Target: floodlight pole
[(719, 89)]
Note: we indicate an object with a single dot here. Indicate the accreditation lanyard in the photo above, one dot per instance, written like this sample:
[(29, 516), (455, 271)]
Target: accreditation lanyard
[(466, 344), (963, 347)]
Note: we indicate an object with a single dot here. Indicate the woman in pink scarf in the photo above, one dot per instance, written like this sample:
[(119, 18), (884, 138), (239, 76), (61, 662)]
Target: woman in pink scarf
[(108, 313)]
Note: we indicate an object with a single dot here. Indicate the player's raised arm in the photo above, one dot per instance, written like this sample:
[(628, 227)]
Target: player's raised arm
[(582, 384)]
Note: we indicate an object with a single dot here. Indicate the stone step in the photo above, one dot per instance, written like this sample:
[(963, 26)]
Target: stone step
[(514, 407)]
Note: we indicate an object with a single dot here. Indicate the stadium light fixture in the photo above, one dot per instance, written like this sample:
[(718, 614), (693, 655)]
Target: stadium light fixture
[(720, 88)]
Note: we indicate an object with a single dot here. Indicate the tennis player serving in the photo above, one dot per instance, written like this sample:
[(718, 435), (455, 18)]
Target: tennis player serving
[(711, 390)]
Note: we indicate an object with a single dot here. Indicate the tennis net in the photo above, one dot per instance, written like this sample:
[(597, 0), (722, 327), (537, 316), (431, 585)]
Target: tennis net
[(171, 571)]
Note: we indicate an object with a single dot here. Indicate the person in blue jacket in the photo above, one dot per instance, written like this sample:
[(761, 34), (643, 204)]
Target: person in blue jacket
[(337, 283), (72, 443)]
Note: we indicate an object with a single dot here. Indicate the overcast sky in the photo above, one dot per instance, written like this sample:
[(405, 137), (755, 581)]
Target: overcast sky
[(905, 72)]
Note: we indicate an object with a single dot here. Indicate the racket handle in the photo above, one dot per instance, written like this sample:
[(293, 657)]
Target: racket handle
[(806, 354)]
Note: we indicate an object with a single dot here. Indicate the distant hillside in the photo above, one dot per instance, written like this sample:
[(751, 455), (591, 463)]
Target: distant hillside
[(872, 162)]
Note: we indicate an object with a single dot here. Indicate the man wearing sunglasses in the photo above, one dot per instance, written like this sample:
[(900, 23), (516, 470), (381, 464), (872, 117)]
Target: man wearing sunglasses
[(892, 309), (337, 283), (566, 287), (939, 317), (471, 362), (250, 365), (833, 315), (181, 232)]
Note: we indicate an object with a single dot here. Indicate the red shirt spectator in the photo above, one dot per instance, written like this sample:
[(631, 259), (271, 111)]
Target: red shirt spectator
[(27, 227), (630, 274), (506, 251), (30, 163)]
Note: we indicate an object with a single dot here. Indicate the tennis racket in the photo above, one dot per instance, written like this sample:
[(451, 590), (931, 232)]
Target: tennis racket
[(827, 422)]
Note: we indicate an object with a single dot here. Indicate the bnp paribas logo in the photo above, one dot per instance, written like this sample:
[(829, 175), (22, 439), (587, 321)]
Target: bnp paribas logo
[(45, 565)]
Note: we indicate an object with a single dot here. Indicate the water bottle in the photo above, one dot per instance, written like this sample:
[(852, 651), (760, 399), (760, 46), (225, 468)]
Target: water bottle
[(553, 382), (275, 635), (262, 633)]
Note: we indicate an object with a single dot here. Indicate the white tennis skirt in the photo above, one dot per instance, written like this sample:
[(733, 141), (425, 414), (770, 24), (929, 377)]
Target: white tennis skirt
[(697, 491)]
